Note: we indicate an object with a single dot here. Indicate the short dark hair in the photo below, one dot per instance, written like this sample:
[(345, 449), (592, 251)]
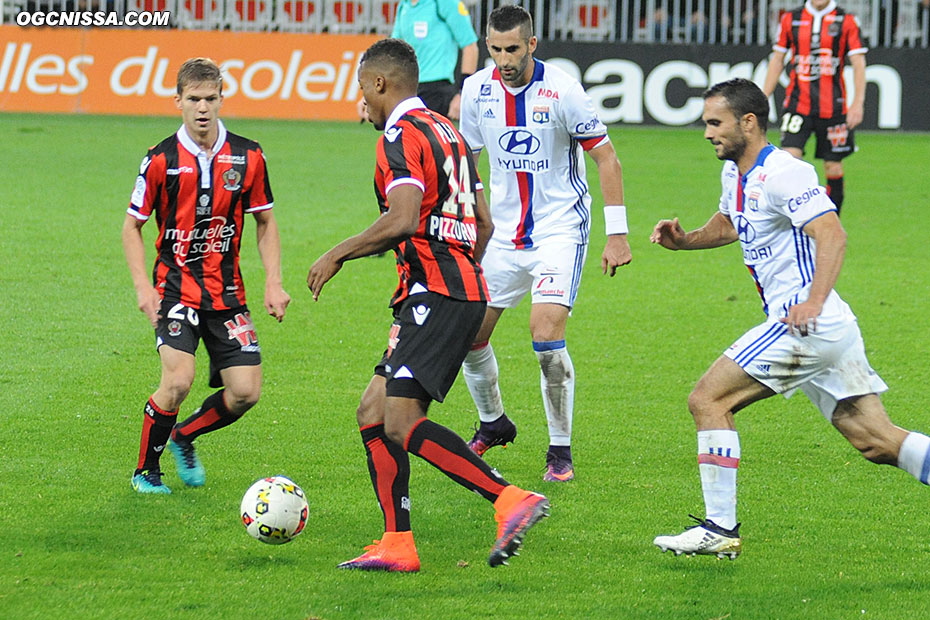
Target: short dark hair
[(508, 17), (397, 54), (196, 70), (743, 97)]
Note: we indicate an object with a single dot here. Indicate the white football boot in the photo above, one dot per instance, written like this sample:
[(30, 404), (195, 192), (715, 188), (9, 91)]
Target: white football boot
[(705, 538)]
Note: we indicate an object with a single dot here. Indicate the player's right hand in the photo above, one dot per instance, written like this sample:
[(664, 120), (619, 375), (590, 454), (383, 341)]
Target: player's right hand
[(321, 272), (669, 234)]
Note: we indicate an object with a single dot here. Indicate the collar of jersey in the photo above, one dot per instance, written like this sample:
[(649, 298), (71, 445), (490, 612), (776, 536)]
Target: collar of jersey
[(767, 150), (188, 143), (827, 9), (538, 71), (413, 103)]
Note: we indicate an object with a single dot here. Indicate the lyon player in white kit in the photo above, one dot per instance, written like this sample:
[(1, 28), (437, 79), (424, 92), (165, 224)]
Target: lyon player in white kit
[(536, 122), (793, 245)]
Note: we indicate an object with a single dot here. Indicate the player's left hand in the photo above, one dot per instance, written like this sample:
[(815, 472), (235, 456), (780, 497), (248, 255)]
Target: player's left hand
[(802, 317), (276, 301), (455, 107), (854, 116), (322, 272), (616, 254)]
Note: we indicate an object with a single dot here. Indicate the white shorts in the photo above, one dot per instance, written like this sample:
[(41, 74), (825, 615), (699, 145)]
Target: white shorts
[(828, 365), (552, 273)]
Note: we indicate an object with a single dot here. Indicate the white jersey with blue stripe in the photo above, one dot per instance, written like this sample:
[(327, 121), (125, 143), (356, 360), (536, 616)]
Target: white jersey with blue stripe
[(769, 207), (535, 137)]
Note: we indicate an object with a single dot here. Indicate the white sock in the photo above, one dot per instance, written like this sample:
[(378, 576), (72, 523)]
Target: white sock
[(718, 458), (557, 382), (481, 374), (914, 456)]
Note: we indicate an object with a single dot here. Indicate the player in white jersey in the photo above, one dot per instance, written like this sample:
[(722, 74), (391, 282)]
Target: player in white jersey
[(536, 122), (793, 245)]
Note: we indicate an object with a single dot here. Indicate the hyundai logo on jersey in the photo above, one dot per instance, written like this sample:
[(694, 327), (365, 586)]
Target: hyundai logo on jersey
[(519, 142), (747, 234)]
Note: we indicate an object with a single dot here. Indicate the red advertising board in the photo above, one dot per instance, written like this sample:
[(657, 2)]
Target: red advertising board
[(122, 71)]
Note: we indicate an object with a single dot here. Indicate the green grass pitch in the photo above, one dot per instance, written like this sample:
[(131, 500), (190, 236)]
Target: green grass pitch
[(826, 534)]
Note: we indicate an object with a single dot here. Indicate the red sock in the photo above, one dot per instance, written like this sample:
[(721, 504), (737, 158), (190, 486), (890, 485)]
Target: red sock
[(210, 416), (156, 427), (447, 452), (389, 468)]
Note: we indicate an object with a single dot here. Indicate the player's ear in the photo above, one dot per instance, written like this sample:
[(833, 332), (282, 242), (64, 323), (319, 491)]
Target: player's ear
[(177, 101)]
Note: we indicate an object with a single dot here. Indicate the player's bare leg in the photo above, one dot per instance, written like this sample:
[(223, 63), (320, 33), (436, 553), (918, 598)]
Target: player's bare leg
[(389, 468), (836, 188), (724, 389), (557, 384), (242, 386), (161, 411), (482, 378), (864, 422)]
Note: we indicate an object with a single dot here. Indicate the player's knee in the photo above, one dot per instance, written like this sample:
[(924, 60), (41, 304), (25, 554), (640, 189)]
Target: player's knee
[(242, 398), (366, 413), (698, 403), (178, 387), (396, 431)]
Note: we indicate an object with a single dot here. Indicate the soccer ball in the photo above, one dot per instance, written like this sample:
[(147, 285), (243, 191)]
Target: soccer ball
[(274, 510)]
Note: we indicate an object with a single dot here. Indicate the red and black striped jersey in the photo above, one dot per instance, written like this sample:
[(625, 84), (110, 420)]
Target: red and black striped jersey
[(820, 42), (425, 149), (199, 204)]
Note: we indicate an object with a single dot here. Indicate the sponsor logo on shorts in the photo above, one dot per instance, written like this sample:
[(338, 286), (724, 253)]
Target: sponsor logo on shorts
[(547, 288), (420, 313), (242, 329), (393, 339)]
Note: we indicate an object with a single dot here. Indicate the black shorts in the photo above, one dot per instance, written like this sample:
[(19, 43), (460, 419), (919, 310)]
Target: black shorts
[(437, 95), (228, 335), (834, 140), (428, 341)]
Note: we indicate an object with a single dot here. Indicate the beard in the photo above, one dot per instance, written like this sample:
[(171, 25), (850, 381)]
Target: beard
[(734, 150)]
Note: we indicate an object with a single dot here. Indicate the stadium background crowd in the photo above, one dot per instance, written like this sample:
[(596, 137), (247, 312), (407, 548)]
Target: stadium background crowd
[(885, 23)]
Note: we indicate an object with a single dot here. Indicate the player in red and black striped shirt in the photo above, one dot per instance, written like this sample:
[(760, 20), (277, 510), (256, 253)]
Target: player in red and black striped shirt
[(820, 36), (435, 217), (199, 183)]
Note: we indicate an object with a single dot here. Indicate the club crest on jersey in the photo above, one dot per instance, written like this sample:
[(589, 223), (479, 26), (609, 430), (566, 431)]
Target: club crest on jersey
[(231, 180), (174, 328), (541, 114), (753, 201)]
